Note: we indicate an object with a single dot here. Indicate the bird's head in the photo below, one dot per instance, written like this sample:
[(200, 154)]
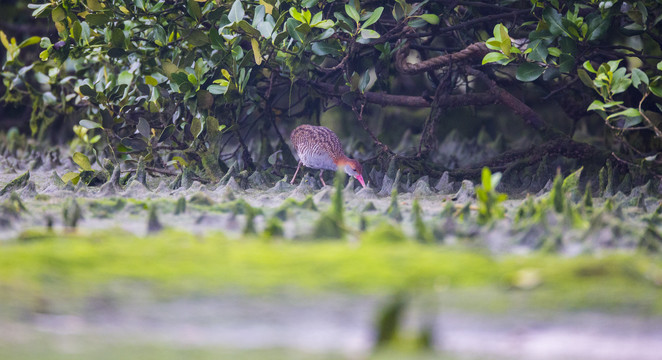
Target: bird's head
[(354, 168)]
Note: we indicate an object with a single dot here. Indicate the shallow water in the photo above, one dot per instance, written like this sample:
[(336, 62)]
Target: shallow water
[(329, 325)]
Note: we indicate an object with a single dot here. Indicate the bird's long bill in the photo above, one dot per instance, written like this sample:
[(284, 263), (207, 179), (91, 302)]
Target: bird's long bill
[(359, 177)]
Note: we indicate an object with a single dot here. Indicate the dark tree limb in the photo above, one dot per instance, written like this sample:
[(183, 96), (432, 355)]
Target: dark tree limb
[(472, 53), (383, 99), (509, 100)]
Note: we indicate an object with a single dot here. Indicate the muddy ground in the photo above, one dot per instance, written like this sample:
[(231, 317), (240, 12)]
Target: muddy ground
[(84, 311)]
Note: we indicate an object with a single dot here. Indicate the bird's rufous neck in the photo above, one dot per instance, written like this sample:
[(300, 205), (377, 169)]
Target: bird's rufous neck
[(341, 160)]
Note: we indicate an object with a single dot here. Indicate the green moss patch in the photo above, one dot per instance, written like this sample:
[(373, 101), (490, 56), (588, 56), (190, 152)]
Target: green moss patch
[(177, 263)]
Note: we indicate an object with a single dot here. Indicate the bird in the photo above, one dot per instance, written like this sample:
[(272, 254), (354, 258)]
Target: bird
[(318, 147)]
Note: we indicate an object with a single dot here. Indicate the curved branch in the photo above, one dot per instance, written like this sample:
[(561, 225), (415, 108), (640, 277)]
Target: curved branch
[(471, 52)]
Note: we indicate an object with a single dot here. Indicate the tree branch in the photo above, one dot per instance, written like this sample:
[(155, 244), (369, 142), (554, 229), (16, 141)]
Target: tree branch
[(471, 52), (509, 100), (406, 100)]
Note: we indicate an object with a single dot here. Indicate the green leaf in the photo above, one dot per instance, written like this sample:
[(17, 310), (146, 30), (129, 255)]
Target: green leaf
[(369, 34), (45, 43), (639, 77), (493, 44), (585, 78), (297, 15), (291, 26), (97, 19), (596, 105), (199, 38), (192, 79), (193, 9), (167, 133), (587, 65), (217, 89), (325, 35), (430, 18), (486, 178), (597, 25), (87, 91), (30, 41), (82, 160), (58, 14), (374, 17), (39, 9), (316, 19), (90, 124), (323, 48), (528, 72), (150, 80), (244, 25), (539, 50), (85, 33), (345, 23), (324, 24), (237, 52), (144, 128), (94, 5), (493, 57), (196, 127), (554, 51), (566, 63), (632, 121), (303, 28), (117, 38), (76, 30), (309, 3), (236, 12), (352, 13), (629, 112), (116, 52), (125, 78), (659, 65), (135, 144), (495, 180), (255, 46), (620, 82), (95, 139), (365, 80), (71, 176), (554, 19), (656, 86)]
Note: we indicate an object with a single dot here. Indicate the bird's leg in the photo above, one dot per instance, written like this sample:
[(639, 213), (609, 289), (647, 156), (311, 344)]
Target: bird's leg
[(295, 173), (321, 178)]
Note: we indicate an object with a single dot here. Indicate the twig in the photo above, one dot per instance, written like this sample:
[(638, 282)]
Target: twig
[(657, 131), (359, 116)]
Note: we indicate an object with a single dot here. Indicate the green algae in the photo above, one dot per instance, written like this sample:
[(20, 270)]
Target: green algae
[(175, 263)]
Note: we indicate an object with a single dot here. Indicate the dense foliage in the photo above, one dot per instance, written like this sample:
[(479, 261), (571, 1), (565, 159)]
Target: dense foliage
[(207, 84)]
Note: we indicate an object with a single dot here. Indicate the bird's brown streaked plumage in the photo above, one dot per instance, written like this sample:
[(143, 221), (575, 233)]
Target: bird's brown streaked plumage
[(319, 148)]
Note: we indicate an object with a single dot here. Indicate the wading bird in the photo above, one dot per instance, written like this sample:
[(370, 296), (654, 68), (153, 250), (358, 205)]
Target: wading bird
[(319, 148)]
